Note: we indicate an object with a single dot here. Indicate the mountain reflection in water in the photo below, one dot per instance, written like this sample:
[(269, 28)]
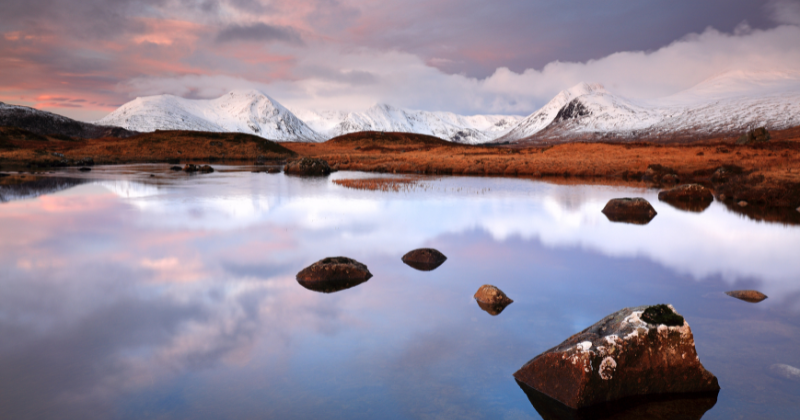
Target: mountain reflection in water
[(176, 297)]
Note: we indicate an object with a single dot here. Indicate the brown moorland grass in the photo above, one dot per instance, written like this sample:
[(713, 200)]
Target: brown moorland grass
[(18, 145)]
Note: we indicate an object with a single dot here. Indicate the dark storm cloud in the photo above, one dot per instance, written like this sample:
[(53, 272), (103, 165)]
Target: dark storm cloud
[(475, 37), (259, 32)]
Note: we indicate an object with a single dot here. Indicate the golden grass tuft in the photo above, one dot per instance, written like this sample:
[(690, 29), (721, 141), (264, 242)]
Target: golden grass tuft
[(378, 184)]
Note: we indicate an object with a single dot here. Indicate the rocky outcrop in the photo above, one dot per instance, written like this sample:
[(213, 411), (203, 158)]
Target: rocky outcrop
[(757, 135), (491, 299), (688, 197), (333, 274), (752, 296), (308, 167), (629, 210), (659, 174), (633, 352), (424, 259)]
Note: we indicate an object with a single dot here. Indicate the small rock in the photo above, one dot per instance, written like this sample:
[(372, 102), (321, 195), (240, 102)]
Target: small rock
[(85, 169), (333, 274), (742, 203), (152, 176), (273, 170), (175, 168), (688, 197), (190, 167), (620, 357), (629, 210), (491, 299), (751, 296), (308, 166), (205, 169), (424, 259), (784, 372)]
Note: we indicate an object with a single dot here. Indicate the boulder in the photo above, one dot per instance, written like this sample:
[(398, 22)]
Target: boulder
[(333, 274), (659, 174), (491, 299), (634, 352), (782, 371), (308, 166), (689, 197), (629, 210), (724, 173), (751, 296), (424, 259)]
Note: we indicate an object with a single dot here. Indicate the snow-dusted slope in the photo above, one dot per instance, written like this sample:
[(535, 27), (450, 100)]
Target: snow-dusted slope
[(246, 111), (462, 129), (726, 105)]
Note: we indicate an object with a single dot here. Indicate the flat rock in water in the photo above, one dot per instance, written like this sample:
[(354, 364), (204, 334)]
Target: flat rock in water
[(424, 259), (634, 352), (752, 296), (784, 372), (308, 166), (491, 299), (629, 210), (333, 274)]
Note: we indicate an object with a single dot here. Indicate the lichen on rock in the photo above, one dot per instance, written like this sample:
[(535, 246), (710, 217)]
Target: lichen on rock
[(623, 355)]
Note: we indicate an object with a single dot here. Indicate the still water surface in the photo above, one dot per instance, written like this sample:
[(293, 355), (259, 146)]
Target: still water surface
[(174, 296)]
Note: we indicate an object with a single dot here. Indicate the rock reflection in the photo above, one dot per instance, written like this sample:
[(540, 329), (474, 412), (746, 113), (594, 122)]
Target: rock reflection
[(493, 309), (331, 286), (40, 186), (666, 407), (690, 206)]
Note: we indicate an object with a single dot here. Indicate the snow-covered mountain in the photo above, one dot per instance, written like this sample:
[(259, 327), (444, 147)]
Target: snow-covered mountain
[(255, 113), (457, 128), (726, 105), (243, 111)]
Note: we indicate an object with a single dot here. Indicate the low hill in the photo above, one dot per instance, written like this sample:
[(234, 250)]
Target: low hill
[(48, 124), (384, 139)]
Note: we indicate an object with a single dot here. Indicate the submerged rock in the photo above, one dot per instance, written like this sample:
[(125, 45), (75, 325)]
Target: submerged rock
[(204, 169), (658, 407), (784, 372), (752, 296), (629, 210), (424, 259), (491, 299), (308, 166), (333, 274), (621, 356)]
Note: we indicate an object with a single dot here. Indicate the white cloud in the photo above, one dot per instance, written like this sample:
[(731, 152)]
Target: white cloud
[(405, 80)]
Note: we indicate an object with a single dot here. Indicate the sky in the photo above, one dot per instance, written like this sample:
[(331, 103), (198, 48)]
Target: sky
[(84, 58)]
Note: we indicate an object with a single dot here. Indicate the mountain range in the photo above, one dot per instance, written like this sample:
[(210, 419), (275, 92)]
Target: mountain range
[(723, 106)]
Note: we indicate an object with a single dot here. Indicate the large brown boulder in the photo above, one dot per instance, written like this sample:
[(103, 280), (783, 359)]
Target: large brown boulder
[(424, 259), (491, 299), (752, 296), (689, 197), (308, 166), (633, 352), (629, 210), (333, 274)]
